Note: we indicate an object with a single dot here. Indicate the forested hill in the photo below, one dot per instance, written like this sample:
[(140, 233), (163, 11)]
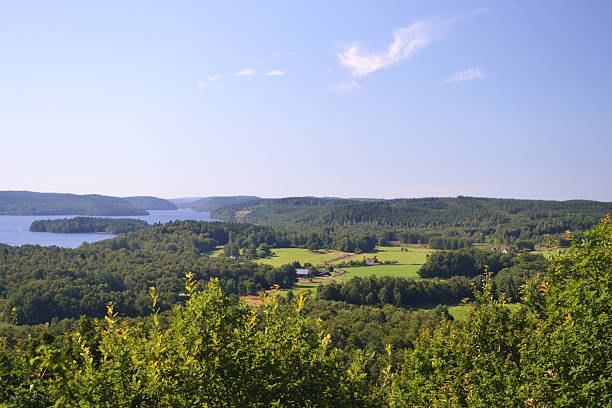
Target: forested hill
[(31, 203), (418, 220), (209, 204), (150, 203)]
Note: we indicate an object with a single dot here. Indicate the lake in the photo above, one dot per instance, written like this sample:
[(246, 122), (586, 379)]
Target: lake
[(14, 228)]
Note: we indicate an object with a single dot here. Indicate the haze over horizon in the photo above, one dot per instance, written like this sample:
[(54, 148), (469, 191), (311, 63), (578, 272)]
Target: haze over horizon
[(507, 99)]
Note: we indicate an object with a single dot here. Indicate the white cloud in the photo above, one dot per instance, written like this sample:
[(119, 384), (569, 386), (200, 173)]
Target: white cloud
[(275, 72), (246, 72), (407, 41), (215, 78), (346, 87), (467, 75), (202, 84)]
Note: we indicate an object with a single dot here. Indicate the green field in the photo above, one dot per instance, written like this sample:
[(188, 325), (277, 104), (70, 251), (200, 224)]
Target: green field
[(413, 256), (549, 253), (312, 287), (289, 255), (396, 271)]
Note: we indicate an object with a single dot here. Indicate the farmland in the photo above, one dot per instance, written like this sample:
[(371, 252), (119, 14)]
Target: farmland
[(285, 256), (411, 256), (408, 260), (395, 271)]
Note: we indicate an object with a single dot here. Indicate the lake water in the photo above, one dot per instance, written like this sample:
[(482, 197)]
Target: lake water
[(14, 228)]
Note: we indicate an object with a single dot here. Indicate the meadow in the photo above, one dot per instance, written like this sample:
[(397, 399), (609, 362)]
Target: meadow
[(411, 256), (395, 271), (285, 256)]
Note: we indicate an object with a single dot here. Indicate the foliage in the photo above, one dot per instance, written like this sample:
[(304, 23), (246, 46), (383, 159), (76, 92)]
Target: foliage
[(400, 292), (552, 352), (471, 262), (47, 282), (213, 354), (452, 222)]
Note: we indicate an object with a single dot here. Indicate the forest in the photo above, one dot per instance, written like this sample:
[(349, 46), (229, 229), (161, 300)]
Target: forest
[(551, 350), (43, 283), (443, 223), (89, 224)]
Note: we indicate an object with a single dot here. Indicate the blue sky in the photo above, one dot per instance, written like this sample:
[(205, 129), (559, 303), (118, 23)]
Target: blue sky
[(353, 99)]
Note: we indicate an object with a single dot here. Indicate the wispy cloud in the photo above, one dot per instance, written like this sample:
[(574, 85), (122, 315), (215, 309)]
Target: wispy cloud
[(346, 87), (215, 78), (275, 72), (467, 75), (202, 84), (407, 41), (246, 72)]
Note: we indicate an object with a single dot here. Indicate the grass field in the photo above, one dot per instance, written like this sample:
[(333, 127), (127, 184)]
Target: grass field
[(396, 271), (549, 253), (312, 287), (413, 256), (218, 251), (409, 262), (290, 255)]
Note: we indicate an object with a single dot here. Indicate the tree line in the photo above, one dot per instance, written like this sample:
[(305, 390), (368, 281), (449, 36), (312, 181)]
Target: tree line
[(444, 223)]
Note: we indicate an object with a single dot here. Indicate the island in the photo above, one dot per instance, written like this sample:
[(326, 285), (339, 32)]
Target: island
[(89, 224)]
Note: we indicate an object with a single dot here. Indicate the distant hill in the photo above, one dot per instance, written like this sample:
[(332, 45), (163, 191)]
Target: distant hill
[(445, 222), (184, 200), (150, 203), (31, 203), (210, 204)]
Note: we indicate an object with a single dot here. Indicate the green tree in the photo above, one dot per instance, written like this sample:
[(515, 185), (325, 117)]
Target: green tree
[(214, 354), (552, 352)]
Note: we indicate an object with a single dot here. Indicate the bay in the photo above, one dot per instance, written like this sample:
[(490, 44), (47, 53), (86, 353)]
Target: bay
[(14, 228)]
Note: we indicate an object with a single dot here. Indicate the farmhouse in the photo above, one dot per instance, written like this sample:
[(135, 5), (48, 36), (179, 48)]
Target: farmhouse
[(371, 261), (302, 273)]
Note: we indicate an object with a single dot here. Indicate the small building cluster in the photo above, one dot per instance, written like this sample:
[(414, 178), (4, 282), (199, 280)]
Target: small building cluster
[(305, 273), (371, 261)]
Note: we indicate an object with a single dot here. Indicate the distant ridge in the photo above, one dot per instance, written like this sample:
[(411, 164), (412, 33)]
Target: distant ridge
[(32, 203), (418, 220), (210, 204), (184, 200), (150, 203)]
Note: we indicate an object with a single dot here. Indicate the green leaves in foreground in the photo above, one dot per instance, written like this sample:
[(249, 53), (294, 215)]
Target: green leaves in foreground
[(554, 351), (213, 355)]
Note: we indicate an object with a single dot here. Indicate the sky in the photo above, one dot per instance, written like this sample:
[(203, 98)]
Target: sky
[(380, 99)]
